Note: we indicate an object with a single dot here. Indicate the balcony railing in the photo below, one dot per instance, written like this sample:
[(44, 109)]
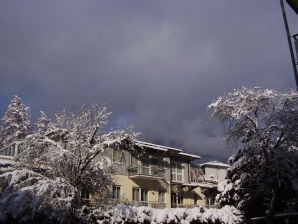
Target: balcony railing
[(173, 205), (201, 180), (149, 171), (151, 204), (212, 206), (97, 204)]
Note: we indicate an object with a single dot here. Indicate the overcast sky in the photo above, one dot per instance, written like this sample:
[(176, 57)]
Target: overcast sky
[(156, 64)]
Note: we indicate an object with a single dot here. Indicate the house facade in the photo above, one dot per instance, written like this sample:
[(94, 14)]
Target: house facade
[(157, 176)]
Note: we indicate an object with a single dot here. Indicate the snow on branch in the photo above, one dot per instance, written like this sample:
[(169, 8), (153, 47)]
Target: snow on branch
[(263, 125), (27, 196), (73, 147)]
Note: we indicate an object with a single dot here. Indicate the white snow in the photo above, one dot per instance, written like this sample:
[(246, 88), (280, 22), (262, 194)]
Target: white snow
[(189, 155), (26, 194), (215, 163), (126, 214), (155, 146)]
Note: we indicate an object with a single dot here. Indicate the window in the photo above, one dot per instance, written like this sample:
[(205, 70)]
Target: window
[(139, 194), (209, 201), (117, 154), (195, 199), (157, 161), (134, 161), (161, 196), (145, 160), (116, 192), (176, 172), (177, 199)]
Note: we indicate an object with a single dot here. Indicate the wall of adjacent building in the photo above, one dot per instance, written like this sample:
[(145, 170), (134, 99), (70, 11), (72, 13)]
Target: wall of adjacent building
[(219, 173)]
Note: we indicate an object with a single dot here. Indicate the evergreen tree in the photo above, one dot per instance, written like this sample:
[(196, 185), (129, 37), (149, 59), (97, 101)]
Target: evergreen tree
[(15, 123), (44, 124)]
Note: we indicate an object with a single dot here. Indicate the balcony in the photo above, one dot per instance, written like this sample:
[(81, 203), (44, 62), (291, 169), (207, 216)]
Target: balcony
[(203, 180), (151, 204), (146, 172), (96, 204)]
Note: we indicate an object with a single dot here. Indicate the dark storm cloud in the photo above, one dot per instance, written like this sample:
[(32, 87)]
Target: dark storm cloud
[(156, 64)]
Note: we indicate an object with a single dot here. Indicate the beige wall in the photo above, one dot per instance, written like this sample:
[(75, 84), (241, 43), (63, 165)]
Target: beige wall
[(152, 186), (218, 173)]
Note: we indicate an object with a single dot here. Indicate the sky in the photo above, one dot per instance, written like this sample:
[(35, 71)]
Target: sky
[(156, 64)]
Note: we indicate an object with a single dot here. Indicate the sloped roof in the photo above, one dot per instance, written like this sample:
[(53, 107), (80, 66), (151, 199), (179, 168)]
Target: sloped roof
[(163, 148), (157, 147), (215, 163), (189, 155)]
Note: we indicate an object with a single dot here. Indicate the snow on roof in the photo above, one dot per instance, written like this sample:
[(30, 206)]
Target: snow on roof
[(215, 163), (155, 146), (189, 155), (166, 149)]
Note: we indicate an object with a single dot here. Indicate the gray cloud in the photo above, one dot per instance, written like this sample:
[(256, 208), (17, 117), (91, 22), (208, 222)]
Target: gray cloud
[(156, 64)]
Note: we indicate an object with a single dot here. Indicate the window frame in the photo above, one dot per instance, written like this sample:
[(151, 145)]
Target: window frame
[(134, 161), (177, 198), (161, 196), (141, 194), (117, 189), (120, 152), (177, 171)]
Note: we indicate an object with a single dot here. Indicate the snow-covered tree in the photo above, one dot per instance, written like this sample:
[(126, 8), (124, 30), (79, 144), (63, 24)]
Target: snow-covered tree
[(15, 124), (262, 124), (29, 197), (44, 124), (75, 149)]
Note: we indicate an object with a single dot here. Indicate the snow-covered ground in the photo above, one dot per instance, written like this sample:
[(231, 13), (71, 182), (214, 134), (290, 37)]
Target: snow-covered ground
[(125, 214)]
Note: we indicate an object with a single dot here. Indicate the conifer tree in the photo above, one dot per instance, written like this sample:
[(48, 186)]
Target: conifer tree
[(15, 124), (44, 124)]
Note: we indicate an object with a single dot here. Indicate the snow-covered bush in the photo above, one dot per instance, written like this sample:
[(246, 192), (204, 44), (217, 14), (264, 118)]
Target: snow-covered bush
[(126, 214), (262, 124), (29, 197)]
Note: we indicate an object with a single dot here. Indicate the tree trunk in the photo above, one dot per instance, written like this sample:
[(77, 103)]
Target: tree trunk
[(272, 207)]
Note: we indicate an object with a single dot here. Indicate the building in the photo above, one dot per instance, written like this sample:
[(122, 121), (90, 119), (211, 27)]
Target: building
[(158, 176), (208, 175)]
